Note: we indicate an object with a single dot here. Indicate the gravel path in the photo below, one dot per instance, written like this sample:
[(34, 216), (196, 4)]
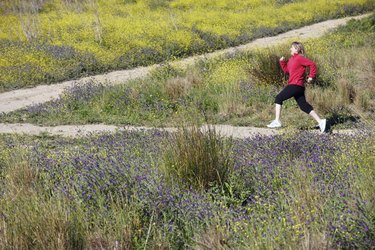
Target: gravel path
[(17, 99)]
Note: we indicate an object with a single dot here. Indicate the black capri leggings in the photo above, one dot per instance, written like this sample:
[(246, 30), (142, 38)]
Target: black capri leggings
[(298, 92)]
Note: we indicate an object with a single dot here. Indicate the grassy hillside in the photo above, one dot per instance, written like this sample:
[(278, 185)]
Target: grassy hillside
[(238, 90), (44, 41)]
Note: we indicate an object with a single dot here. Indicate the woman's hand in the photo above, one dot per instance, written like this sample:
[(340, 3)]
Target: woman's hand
[(282, 58), (309, 80)]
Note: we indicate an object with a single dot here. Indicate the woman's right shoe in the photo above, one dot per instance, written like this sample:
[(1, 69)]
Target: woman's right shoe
[(322, 125), (274, 124)]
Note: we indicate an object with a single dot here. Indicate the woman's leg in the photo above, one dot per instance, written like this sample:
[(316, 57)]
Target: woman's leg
[(315, 116), (277, 111), (305, 106), (308, 109), (288, 92), (285, 94)]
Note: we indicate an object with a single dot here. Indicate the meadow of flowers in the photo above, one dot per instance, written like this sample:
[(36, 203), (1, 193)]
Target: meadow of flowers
[(298, 191), (237, 89), (44, 41)]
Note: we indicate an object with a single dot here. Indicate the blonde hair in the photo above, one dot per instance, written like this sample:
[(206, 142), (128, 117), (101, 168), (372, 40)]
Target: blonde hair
[(299, 47)]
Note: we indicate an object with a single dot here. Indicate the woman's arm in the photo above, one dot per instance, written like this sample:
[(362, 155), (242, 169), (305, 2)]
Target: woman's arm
[(309, 63), (284, 65)]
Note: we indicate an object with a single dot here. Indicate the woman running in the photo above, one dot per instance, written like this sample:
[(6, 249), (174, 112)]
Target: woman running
[(295, 67)]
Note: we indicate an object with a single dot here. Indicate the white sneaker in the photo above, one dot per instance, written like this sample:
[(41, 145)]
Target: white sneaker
[(274, 124), (322, 125)]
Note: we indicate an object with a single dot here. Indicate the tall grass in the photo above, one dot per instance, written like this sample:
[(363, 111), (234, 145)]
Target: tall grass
[(111, 191), (29, 219)]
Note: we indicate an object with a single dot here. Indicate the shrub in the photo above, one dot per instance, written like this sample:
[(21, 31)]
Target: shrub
[(139, 57), (211, 41), (154, 4), (177, 88), (266, 68), (198, 158)]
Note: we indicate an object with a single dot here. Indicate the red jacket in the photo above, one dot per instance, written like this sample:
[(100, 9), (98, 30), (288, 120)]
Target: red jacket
[(296, 66)]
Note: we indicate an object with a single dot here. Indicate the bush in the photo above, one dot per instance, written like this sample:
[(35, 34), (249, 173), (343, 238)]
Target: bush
[(266, 68), (198, 158)]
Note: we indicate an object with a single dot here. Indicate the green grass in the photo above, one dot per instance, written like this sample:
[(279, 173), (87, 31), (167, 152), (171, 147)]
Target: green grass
[(50, 41)]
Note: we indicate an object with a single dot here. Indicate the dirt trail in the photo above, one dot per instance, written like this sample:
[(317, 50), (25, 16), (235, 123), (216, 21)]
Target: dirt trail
[(84, 130), (17, 99)]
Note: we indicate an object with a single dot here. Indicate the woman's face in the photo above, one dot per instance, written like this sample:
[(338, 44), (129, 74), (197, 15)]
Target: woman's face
[(293, 50)]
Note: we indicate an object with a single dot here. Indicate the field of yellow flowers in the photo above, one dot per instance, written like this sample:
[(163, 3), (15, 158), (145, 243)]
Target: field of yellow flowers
[(44, 41)]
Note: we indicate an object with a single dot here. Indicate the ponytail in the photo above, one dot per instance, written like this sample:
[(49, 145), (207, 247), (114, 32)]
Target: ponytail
[(299, 47)]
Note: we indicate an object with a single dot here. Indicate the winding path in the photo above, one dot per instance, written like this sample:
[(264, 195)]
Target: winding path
[(17, 99)]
